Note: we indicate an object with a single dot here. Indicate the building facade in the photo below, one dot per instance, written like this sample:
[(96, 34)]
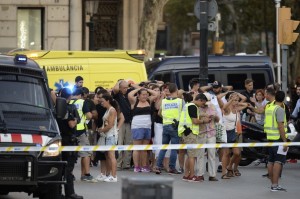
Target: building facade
[(69, 24)]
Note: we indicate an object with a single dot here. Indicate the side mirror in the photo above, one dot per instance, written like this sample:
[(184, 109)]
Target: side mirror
[(61, 107)]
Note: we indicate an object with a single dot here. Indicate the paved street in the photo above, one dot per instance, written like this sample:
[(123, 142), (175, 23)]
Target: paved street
[(249, 186)]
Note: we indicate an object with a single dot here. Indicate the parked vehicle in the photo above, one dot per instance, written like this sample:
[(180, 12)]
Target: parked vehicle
[(98, 68), (230, 70), (27, 119), (254, 133)]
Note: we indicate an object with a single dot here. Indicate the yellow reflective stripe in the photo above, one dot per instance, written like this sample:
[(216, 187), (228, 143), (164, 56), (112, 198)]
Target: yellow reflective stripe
[(182, 146)]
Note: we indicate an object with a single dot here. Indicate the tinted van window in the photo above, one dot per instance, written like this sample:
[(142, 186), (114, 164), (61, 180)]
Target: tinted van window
[(237, 80)]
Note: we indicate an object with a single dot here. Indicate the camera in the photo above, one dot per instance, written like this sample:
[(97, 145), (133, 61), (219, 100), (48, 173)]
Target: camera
[(187, 130)]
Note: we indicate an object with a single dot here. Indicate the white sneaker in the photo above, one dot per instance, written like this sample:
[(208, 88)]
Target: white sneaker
[(111, 179), (101, 177)]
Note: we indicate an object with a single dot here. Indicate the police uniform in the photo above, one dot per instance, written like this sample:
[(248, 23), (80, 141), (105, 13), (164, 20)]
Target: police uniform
[(170, 110), (187, 130), (81, 131), (68, 139), (271, 129)]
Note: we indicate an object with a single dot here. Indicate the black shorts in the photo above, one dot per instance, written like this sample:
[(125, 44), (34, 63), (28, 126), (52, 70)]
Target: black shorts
[(274, 157)]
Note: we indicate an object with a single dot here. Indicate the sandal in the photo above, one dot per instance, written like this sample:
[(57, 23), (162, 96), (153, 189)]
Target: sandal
[(237, 172), (229, 173), (225, 177)]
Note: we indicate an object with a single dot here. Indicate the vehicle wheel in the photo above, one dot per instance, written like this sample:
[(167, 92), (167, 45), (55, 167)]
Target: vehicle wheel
[(53, 192), (245, 162)]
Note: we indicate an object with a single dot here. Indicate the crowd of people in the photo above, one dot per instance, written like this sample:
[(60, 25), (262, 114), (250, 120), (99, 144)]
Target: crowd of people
[(156, 112)]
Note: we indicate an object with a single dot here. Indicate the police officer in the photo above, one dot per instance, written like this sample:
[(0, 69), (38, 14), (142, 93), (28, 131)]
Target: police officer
[(276, 127), (170, 111), (67, 127)]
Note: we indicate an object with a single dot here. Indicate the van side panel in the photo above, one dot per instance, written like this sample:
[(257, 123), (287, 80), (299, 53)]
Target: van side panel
[(62, 72), (95, 71), (106, 72)]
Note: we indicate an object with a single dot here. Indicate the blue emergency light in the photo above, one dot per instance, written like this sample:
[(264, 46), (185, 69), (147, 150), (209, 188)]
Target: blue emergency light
[(21, 59)]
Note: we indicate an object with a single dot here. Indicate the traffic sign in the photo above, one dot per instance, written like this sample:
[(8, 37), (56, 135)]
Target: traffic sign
[(212, 9)]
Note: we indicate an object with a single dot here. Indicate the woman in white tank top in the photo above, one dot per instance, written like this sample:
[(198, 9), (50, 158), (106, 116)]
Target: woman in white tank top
[(231, 113), (109, 131)]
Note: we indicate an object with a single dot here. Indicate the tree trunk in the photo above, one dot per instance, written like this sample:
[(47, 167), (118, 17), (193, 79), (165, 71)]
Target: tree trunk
[(236, 29), (153, 10)]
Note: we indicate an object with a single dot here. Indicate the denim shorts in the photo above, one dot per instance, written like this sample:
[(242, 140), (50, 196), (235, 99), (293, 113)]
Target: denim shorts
[(274, 157), (141, 134), (110, 140), (231, 136)]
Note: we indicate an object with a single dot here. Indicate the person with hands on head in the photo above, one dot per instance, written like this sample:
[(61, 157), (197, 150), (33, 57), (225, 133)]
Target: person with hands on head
[(141, 124), (231, 114), (120, 94)]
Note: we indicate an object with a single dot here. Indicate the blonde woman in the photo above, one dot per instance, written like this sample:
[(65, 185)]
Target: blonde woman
[(231, 113)]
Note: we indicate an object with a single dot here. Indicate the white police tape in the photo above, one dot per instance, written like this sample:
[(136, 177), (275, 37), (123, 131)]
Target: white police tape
[(143, 147)]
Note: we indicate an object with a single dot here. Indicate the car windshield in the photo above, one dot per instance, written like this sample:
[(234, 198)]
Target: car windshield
[(23, 103)]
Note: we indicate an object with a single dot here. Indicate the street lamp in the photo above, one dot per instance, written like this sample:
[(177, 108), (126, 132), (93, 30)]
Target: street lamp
[(91, 8)]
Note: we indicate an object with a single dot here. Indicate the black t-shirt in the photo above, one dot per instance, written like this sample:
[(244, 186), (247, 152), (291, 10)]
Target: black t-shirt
[(101, 111), (124, 105), (248, 95), (92, 107), (193, 111)]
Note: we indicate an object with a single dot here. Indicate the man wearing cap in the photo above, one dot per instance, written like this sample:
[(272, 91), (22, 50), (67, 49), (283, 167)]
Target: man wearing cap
[(81, 133), (67, 127)]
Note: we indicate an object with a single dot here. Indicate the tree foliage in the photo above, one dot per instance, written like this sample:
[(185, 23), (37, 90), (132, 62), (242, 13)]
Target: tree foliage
[(152, 13), (178, 17)]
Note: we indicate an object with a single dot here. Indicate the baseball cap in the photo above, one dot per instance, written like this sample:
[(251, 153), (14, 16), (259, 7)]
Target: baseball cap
[(216, 84)]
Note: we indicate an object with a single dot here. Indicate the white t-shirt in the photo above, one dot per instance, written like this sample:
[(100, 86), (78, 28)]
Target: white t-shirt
[(214, 101)]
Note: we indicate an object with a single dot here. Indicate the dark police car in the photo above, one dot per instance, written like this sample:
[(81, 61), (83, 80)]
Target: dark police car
[(27, 120)]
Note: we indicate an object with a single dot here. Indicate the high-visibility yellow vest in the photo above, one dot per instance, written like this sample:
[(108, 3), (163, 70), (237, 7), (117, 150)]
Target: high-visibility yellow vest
[(170, 110), (186, 120), (271, 126), (79, 105)]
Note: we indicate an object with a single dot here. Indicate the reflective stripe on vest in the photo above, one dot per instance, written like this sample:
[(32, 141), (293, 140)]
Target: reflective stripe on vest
[(79, 105), (186, 120), (271, 125), (170, 110)]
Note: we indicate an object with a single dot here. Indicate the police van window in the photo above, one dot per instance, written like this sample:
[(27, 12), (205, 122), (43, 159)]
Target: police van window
[(165, 77), (237, 80), (259, 80), (186, 77)]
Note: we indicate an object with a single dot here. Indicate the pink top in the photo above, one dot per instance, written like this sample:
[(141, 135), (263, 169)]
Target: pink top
[(208, 128)]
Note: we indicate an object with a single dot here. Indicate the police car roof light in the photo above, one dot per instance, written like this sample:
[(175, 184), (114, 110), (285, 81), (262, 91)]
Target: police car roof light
[(20, 59)]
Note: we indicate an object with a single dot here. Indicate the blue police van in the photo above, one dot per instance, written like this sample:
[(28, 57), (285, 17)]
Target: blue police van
[(229, 70)]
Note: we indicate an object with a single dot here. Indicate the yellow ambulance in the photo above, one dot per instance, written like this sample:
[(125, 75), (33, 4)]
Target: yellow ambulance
[(98, 68)]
